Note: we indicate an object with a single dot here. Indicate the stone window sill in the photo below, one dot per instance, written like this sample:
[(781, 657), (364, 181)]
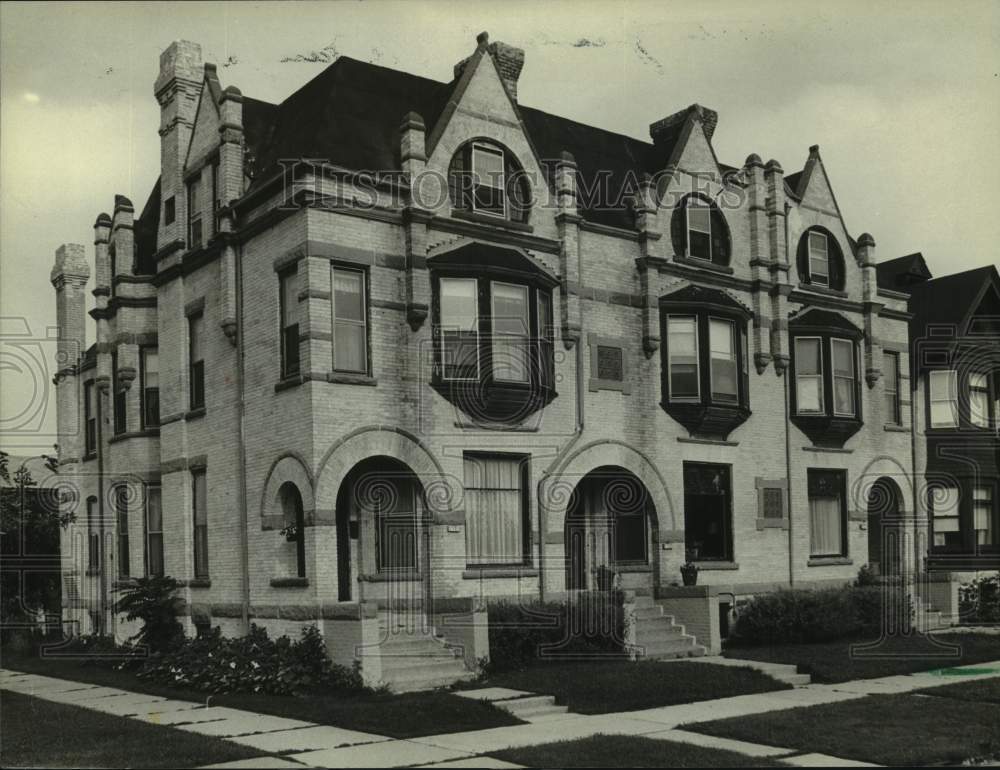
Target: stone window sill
[(708, 566), (351, 378), (711, 441), (829, 561), (147, 433), (515, 571), (390, 577), (486, 219), (891, 428), (822, 290), (828, 449), (763, 523), (290, 582), (194, 414), (195, 583), (125, 582), (595, 385), (631, 568), (704, 264)]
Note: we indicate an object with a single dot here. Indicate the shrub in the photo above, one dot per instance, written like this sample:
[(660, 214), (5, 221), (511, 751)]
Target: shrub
[(979, 600), (792, 616), (532, 633), (152, 600), (252, 663)]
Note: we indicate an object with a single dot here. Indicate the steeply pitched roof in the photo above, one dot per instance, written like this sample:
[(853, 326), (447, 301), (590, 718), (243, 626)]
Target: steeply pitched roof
[(950, 299), (350, 115), (145, 229), (902, 273)]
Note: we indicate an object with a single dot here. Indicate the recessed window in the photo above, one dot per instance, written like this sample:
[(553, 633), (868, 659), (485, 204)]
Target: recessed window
[(982, 516), (169, 210), (943, 396), (459, 328), (945, 516), (979, 400), (699, 231), (488, 181), (93, 536), (196, 360), (893, 410), (511, 332), (121, 524), (150, 387), (350, 320), (294, 515), (89, 418), (708, 532), (682, 346), (199, 495), (809, 375), (120, 395), (194, 213), (289, 322), (154, 531), (844, 380), (827, 513), (495, 524), (819, 260)]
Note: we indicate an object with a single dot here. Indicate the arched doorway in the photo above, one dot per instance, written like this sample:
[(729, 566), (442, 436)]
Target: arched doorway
[(608, 530), (380, 511), (885, 526)]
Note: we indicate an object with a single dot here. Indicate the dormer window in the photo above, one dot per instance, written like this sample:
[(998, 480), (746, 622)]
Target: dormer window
[(486, 182), (488, 185), (699, 231), (819, 260)]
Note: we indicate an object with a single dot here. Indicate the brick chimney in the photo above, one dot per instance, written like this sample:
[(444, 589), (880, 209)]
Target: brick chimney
[(509, 61), (69, 278), (177, 88)]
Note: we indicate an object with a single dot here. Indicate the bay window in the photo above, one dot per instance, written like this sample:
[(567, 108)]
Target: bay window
[(511, 332), (809, 375), (495, 510), (722, 341), (682, 358), (459, 312), (149, 391), (943, 398), (350, 320), (844, 379)]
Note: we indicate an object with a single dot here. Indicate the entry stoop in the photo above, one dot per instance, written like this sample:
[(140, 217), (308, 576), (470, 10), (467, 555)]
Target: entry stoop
[(657, 635), (413, 658)]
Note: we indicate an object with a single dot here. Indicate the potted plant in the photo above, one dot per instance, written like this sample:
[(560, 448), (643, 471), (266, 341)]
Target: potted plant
[(689, 570), (291, 533)]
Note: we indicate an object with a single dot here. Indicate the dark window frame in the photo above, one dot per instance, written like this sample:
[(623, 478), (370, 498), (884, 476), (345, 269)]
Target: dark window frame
[(119, 399), (121, 525), (516, 191), (200, 562), (720, 240), (524, 466), (149, 407), (196, 369), (836, 264), (89, 419), (169, 210), (195, 227), (288, 335), (703, 352), (366, 315), (841, 475), (94, 559), (893, 385), (728, 535), (149, 534)]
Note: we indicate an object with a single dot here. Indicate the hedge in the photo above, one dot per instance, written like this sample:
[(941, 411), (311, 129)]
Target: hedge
[(524, 634)]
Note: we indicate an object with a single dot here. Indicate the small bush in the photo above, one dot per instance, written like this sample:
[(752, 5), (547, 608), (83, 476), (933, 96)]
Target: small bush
[(532, 633), (253, 663), (979, 600), (152, 600), (792, 616)]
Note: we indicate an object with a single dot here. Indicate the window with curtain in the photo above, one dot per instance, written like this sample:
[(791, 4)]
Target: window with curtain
[(90, 418), (842, 352), (827, 513), (196, 359), (154, 531), (494, 509), (722, 340), (93, 536), (819, 259), (350, 321), (979, 400), (150, 390), (809, 375), (945, 516), (289, 289), (459, 322), (200, 504), (682, 349), (121, 523), (893, 412), (943, 396), (511, 332), (982, 516)]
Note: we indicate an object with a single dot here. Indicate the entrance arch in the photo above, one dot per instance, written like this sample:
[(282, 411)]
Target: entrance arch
[(381, 530), (885, 526), (609, 525)]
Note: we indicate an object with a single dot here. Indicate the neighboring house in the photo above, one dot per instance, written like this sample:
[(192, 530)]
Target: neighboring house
[(519, 357), (955, 339)]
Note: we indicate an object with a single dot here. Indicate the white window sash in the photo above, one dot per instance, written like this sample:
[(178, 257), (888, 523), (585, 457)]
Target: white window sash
[(491, 183), (447, 328), (949, 399), (834, 343), (502, 340), (672, 357), (817, 378)]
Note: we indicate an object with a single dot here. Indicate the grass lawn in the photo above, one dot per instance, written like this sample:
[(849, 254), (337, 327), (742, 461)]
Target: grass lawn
[(38, 733), (600, 688), (834, 661), (626, 751), (983, 690), (884, 729), (399, 716)]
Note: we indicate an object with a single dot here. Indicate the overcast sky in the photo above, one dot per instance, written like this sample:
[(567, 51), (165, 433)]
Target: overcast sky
[(901, 97)]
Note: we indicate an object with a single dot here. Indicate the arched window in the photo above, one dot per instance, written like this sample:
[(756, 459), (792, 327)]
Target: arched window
[(819, 259), (486, 179), (699, 231), (295, 525)]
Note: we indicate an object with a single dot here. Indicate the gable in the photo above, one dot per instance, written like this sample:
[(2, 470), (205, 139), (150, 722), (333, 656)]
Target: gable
[(205, 135)]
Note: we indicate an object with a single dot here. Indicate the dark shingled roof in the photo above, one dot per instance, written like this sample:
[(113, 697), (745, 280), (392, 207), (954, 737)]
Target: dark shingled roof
[(145, 228), (350, 115), (792, 180), (949, 299), (902, 273)]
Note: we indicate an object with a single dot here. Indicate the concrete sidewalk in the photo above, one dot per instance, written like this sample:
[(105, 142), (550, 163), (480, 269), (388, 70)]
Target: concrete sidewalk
[(304, 743)]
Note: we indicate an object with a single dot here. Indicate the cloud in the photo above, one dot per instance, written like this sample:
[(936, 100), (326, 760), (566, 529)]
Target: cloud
[(31, 97)]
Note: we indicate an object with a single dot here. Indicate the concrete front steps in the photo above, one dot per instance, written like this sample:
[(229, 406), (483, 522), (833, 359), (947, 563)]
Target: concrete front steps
[(783, 672), (926, 618), (657, 635), (534, 708), (413, 658)]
